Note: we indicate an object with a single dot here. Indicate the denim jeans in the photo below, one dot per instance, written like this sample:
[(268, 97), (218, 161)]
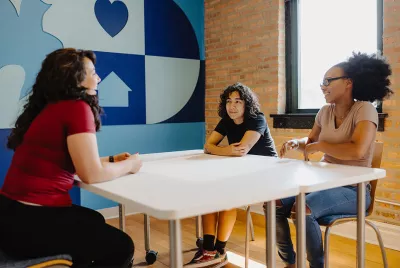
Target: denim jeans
[(337, 201)]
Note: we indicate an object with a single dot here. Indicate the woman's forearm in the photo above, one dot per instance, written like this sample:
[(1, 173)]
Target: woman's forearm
[(343, 151), (105, 159), (302, 143), (217, 150)]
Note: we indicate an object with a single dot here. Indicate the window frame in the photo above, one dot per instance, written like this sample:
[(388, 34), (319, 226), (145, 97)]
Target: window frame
[(292, 55)]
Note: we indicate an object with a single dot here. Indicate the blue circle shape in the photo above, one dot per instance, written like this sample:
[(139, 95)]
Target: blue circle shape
[(168, 32)]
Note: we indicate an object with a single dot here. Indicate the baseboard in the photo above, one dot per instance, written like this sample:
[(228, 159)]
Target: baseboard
[(390, 233)]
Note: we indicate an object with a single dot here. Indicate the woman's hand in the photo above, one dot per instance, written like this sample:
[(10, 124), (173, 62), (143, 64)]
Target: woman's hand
[(236, 149), (136, 163), (287, 146), (310, 149)]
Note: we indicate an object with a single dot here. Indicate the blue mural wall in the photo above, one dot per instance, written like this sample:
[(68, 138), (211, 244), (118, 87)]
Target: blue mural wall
[(150, 56)]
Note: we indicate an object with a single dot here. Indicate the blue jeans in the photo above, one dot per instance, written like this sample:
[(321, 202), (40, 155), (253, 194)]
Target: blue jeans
[(342, 200)]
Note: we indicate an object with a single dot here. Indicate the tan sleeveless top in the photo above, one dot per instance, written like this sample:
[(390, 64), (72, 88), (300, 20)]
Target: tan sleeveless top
[(360, 111)]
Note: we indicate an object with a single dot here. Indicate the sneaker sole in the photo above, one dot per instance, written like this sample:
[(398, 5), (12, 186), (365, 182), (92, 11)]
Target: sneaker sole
[(204, 264), (223, 263)]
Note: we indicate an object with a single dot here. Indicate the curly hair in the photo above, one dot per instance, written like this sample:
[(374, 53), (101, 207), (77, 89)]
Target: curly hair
[(59, 79), (252, 107), (370, 76)]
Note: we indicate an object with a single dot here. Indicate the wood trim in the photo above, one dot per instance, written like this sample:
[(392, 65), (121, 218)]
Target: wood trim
[(306, 120)]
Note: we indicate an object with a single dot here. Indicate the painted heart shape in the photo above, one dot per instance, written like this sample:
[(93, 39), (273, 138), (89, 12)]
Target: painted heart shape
[(111, 16)]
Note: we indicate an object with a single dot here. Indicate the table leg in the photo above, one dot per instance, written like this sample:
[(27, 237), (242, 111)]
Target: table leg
[(175, 244), (121, 214), (361, 225), (301, 230), (270, 224), (247, 242)]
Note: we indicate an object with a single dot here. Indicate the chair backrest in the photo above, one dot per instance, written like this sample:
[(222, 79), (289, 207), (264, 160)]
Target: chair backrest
[(376, 163)]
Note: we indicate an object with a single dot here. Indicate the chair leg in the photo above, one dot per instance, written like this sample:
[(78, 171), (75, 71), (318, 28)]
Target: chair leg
[(198, 227), (251, 226), (381, 245), (199, 231), (146, 232), (326, 246)]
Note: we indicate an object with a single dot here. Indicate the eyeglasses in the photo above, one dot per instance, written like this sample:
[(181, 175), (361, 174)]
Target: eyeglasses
[(327, 81)]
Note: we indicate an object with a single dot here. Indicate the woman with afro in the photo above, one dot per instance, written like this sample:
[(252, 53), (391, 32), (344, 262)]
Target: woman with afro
[(344, 130), (247, 131)]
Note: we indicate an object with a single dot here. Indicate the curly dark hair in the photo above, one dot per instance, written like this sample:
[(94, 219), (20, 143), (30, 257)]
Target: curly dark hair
[(252, 107), (370, 76), (59, 79)]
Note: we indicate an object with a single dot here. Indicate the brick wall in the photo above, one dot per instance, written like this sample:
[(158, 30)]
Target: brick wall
[(245, 41)]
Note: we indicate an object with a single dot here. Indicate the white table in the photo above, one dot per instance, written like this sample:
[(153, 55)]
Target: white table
[(170, 187), (318, 176)]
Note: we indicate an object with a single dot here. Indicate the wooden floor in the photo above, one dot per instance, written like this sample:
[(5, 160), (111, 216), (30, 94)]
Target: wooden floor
[(342, 250)]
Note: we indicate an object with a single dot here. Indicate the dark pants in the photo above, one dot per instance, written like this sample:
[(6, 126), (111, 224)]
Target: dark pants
[(37, 231)]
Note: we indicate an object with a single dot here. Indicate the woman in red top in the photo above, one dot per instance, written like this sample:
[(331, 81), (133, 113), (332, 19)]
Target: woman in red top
[(54, 138)]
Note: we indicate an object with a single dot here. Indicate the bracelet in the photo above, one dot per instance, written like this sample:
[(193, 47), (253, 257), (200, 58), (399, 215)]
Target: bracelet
[(111, 158)]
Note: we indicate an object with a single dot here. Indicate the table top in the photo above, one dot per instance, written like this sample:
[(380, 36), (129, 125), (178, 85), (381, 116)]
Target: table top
[(183, 184), (317, 176)]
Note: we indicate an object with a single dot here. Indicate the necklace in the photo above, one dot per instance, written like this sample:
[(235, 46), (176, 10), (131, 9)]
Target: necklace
[(345, 114)]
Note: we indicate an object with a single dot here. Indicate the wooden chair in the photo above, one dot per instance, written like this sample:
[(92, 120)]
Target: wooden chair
[(330, 221)]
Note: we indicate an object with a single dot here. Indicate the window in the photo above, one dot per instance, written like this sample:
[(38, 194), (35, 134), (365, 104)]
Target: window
[(321, 33)]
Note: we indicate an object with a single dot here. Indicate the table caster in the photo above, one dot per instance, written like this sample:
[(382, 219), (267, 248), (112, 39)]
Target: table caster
[(151, 256)]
